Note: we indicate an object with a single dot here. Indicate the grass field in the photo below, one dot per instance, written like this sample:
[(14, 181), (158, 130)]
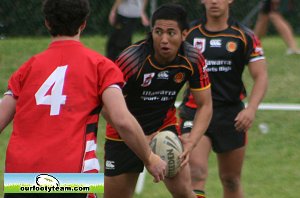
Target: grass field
[(272, 160)]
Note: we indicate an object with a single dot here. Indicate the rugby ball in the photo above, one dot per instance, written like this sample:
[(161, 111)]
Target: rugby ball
[(167, 145), (46, 180)]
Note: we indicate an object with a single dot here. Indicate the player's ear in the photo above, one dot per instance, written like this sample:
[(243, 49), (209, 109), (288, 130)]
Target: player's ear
[(82, 27), (47, 24), (184, 34), (230, 1)]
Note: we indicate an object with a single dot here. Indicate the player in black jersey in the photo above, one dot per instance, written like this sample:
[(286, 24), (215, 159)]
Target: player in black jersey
[(155, 70), (227, 47)]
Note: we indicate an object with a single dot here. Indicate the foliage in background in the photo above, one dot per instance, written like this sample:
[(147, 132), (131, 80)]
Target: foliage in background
[(24, 17)]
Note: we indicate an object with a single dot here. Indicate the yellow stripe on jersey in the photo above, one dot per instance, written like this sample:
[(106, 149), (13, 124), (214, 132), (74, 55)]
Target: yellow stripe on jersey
[(201, 89)]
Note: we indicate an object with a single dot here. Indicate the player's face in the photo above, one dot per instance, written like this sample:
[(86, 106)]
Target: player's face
[(167, 38), (217, 8)]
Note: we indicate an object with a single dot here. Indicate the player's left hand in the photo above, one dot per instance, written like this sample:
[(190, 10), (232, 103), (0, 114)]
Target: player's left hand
[(187, 148), (244, 119), (145, 19)]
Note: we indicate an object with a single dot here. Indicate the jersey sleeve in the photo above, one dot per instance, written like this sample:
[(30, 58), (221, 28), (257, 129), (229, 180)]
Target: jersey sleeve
[(254, 48), (199, 79), (130, 60), (109, 74), (17, 79)]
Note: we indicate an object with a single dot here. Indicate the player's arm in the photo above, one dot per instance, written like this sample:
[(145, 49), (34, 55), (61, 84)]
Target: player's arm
[(113, 12), (201, 121), (7, 110), (144, 17), (131, 132), (259, 74)]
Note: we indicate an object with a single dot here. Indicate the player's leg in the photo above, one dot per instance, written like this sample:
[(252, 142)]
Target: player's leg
[(121, 36), (229, 144), (122, 168), (121, 185), (199, 165), (285, 31), (230, 170), (199, 156), (180, 185), (261, 25)]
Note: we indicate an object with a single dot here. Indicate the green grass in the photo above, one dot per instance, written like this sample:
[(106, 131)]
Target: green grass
[(272, 159)]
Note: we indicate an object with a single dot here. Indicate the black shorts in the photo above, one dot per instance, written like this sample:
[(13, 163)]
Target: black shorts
[(268, 6), (221, 130), (119, 158), (45, 195)]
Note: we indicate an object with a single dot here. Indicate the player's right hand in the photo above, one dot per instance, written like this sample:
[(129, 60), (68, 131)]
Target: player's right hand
[(156, 167)]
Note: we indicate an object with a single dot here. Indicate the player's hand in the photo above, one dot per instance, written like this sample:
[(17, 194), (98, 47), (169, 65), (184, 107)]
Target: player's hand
[(145, 19), (112, 18), (187, 148), (156, 167), (244, 119), (151, 136)]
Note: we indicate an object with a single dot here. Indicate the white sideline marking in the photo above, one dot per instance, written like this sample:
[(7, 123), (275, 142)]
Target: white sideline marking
[(288, 107), (272, 106), (140, 183)]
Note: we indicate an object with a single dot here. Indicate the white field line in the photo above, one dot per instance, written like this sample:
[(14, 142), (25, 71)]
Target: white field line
[(272, 106)]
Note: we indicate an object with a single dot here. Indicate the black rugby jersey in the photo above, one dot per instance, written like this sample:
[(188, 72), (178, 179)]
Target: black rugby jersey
[(150, 90), (226, 53)]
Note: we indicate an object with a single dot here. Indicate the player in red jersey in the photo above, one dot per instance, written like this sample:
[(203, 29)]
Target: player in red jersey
[(155, 70), (55, 99), (227, 47)]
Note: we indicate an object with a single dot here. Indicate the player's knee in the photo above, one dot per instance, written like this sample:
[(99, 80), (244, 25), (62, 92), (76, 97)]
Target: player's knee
[(231, 183), (199, 174), (183, 193), (182, 190)]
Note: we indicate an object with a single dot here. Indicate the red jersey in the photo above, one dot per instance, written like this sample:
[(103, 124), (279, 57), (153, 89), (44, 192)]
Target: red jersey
[(58, 96)]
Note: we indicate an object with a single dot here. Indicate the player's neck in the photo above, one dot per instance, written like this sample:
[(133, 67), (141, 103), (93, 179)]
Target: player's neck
[(63, 38), (216, 24)]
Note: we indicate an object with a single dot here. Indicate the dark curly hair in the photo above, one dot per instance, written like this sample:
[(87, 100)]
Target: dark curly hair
[(64, 17), (171, 11)]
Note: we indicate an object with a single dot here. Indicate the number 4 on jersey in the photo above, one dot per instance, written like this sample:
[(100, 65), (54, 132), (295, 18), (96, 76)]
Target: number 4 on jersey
[(55, 98)]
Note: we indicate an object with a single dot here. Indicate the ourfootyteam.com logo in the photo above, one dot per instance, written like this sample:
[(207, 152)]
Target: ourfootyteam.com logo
[(53, 183), (48, 183)]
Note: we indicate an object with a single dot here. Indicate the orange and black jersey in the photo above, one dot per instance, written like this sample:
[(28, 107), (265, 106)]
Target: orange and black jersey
[(226, 53), (151, 88)]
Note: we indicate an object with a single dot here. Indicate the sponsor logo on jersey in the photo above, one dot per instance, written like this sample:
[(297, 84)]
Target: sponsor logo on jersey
[(188, 124), (163, 75), (199, 43), (259, 51), (231, 46), (179, 77), (147, 79), (215, 43), (109, 165)]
